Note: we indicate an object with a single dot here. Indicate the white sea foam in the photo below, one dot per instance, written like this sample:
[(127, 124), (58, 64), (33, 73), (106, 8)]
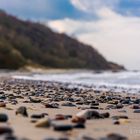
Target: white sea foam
[(121, 81)]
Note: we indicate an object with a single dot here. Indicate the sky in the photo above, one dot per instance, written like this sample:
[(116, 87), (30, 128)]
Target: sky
[(110, 26)]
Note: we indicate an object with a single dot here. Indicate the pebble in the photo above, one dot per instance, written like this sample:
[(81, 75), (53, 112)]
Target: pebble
[(105, 115), (60, 117), (85, 137), (10, 137), (62, 127), (127, 101), (45, 122), (116, 137), (2, 104), (68, 104), (135, 107), (119, 117), (119, 106), (78, 120), (5, 130), (137, 111), (108, 107), (121, 121), (113, 102), (88, 114), (35, 100), (122, 111), (22, 111), (137, 101), (3, 117), (52, 105), (59, 138), (37, 116), (79, 126), (94, 107), (92, 114)]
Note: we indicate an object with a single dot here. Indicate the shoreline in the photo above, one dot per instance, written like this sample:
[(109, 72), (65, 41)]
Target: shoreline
[(59, 101)]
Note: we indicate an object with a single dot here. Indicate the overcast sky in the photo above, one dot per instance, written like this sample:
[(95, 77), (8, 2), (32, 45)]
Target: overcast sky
[(111, 26)]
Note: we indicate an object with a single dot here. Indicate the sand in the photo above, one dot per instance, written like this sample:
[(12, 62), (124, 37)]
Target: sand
[(95, 128)]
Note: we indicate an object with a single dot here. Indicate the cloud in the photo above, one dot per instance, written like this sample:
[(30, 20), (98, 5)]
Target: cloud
[(125, 7), (114, 35), (91, 6)]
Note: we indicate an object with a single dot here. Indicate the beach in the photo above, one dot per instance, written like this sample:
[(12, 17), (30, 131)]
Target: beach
[(43, 110)]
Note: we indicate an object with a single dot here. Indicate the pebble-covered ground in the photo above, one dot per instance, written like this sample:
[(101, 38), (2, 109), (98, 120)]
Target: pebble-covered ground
[(38, 110)]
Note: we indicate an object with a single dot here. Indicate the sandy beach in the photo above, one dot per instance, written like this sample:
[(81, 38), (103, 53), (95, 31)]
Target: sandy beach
[(39, 110)]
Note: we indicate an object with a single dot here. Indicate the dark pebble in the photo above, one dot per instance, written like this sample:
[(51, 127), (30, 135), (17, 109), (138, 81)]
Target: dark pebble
[(105, 115), (62, 127), (137, 111), (5, 130), (10, 137), (3, 118), (63, 138), (135, 107), (68, 104), (86, 138), (22, 111), (52, 105), (37, 116), (116, 137), (79, 126), (2, 104)]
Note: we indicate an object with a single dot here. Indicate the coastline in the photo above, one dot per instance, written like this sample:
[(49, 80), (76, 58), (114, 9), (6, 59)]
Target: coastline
[(40, 97)]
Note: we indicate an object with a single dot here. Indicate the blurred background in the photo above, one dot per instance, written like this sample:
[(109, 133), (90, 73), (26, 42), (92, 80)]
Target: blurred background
[(110, 26)]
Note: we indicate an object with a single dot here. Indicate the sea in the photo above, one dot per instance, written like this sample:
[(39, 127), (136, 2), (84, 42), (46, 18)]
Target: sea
[(123, 82)]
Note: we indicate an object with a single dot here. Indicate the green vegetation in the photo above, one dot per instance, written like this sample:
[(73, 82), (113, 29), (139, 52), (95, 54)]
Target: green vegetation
[(24, 42)]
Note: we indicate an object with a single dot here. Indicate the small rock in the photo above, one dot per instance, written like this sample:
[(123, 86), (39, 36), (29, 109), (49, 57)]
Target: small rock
[(3, 118), (110, 107), (68, 104), (62, 127), (89, 114), (59, 138), (105, 115), (78, 120), (85, 138), (10, 137), (94, 107), (116, 137), (5, 130), (137, 111), (60, 117), (2, 104), (33, 121), (43, 123), (119, 117), (35, 100), (52, 105), (127, 101), (22, 111), (137, 101), (113, 102), (116, 122), (135, 107), (119, 106), (79, 126), (37, 116), (94, 104), (122, 111)]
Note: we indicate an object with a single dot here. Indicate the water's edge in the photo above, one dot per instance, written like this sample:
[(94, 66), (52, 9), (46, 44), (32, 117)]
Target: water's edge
[(128, 82)]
